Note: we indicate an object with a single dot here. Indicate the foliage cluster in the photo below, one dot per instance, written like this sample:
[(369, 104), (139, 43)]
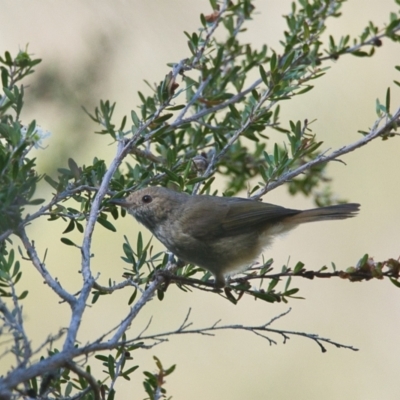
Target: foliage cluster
[(205, 119)]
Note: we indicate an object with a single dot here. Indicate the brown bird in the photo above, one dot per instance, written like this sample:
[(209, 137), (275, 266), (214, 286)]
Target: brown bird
[(220, 234)]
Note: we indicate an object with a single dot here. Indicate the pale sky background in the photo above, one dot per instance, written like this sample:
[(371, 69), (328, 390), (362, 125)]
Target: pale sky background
[(119, 44)]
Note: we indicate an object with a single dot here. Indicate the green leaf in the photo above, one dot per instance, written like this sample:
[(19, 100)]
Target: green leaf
[(9, 94), (107, 224), (230, 297), (110, 365), (128, 372), (139, 245), (96, 296), (203, 20), (23, 295), (175, 108), (270, 298), (36, 202), (305, 90), (67, 241), (135, 119), (298, 268), (234, 112), (73, 166), (290, 292), (263, 75), (163, 118), (214, 4), (70, 227), (362, 261), (4, 77), (101, 357), (170, 370), (111, 395), (395, 282), (133, 297), (272, 284), (360, 54), (68, 389), (171, 175), (273, 62), (388, 100), (51, 182)]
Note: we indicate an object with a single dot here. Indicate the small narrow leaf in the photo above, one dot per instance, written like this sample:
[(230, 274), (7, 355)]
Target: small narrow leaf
[(67, 241), (135, 119), (388, 100), (395, 282), (107, 224), (70, 227), (298, 268), (23, 295), (263, 75)]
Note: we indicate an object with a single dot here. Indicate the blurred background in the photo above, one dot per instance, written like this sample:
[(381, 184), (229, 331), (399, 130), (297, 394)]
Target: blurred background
[(96, 50)]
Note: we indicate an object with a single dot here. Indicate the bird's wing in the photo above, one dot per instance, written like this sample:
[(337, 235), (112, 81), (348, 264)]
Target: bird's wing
[(202, 217), (229, 217), (248, 215)]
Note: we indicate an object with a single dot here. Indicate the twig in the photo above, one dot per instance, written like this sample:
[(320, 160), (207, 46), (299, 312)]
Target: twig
[(210, 33), (118, 286), (369, 42), (323, 158), (147, 295), (88, 377), (257, 330), (194, 98), (41, 268)]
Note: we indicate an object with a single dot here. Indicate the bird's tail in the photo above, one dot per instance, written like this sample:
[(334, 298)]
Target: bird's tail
[(340, 211)]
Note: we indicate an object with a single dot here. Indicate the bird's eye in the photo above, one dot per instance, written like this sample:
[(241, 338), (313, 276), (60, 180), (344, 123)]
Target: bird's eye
[(147, 199)]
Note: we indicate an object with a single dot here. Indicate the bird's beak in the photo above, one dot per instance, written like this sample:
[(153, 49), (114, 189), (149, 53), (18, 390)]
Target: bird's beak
[(119, 202)]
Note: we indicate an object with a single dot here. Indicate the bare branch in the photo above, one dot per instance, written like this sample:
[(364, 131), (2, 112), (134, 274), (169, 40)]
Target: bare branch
[(258, 330), (41, 268), (118, 286)]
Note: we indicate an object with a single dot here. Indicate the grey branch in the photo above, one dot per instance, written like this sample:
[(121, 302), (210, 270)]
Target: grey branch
[(374, 133), (41, 268), (259, 330)]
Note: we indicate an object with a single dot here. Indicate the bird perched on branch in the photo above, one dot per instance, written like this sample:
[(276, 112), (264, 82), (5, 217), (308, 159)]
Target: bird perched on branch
[(220, 234)]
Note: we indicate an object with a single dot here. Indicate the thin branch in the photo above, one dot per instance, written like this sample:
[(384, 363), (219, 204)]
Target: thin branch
[(41, 268), (6, 233), (370, 42), (14, 322), (147, 295), (118, 286), (60, 359), (148, 155), (22, 350), (323, 158), (146, 327), (88, 377), (117, 370), (194, 98), (209, 35), (88, 279), (258, 330), (211, 110), (43, 209), (371, 270)]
